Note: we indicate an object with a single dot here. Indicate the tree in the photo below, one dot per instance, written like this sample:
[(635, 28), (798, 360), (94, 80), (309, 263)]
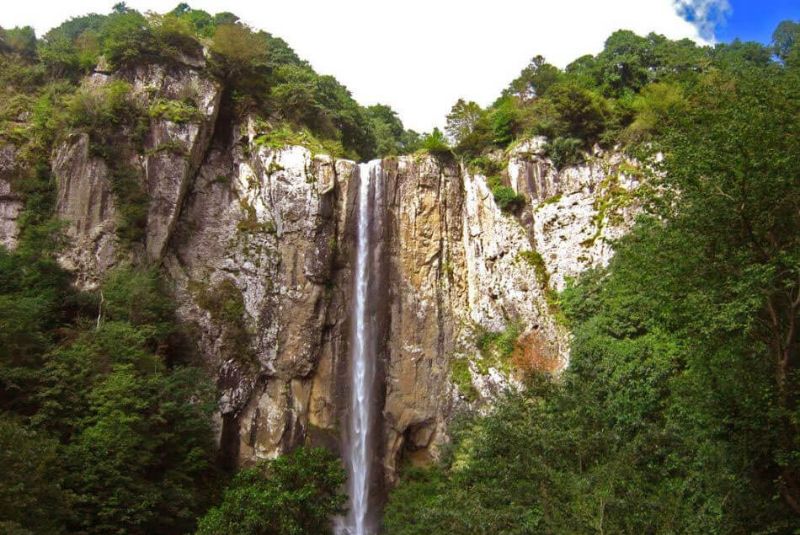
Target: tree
[(21, 41), (582, 112), (73, 47), (535, 79), (388, 129), (738, 213), (139, 462), (786, 39), (295, 494), (237, 52), (461, 120), (32, 496)]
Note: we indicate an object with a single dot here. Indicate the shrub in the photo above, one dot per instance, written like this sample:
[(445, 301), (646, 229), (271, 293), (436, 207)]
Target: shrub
[(237, 51), (283, 135), (102, 110), (505, 120), (132, 202), (498, 343), (225, 303), (583, 112), (174, 36), (177, 111), (126, 38), (506, 198), (487, 165), (564, 151), (31, 489), (436, 143), (534, 259), (295, 494)]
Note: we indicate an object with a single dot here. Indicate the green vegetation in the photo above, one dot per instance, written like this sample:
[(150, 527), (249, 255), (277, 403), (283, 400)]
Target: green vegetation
[(617, 97), (678, 412), (535, 260), (176, 111), (462, 378), (260, 74), (99, 401), (298, 493), (436, 144), (105, 413), (496, 347), (284, 135), (564, 152), (506, 198)]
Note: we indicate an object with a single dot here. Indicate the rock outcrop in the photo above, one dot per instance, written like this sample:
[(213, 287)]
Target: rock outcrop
[(258, 242), (165, 167)]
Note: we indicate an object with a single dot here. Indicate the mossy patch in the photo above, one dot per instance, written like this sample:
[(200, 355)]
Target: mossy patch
[(176, 111), (284, 135), (462, 378), (496, 347), (225, 304)]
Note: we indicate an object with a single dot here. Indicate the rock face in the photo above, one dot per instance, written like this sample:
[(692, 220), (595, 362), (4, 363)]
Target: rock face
[(423, 203), (86, 203), (260, 234), (259, 242), (10, 203), (172, 153), (577, 213)]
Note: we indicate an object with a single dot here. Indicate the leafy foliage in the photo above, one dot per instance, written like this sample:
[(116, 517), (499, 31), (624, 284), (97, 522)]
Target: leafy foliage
[(297, 493), (103, 429), (506, 198)]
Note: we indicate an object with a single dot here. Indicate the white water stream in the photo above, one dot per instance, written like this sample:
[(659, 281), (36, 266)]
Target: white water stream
[(362, 374)]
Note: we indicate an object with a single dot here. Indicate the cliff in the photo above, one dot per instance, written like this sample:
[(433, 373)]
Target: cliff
[(258, 242)]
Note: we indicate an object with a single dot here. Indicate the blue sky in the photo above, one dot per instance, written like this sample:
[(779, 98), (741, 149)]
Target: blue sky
[(754, 20)]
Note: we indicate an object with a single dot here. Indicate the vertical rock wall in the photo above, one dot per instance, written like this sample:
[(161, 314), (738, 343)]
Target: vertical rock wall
[(259, 243)]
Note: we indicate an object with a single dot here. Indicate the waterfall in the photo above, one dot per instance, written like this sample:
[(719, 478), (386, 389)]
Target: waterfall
[(362, 363)]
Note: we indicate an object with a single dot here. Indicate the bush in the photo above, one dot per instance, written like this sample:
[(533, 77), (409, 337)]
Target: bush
[(31, 489), (584, 113), (72, 49), (132, 201), (129, 38), (176, 111), (436, 143), (102, 110), (237, 52), (283, 135), (498, 343), (506, 198), (296, 494), (126, 38), (564, 151), (462, 378)]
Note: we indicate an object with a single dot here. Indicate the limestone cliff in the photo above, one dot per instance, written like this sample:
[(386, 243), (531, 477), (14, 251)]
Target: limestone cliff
[(258, 243)]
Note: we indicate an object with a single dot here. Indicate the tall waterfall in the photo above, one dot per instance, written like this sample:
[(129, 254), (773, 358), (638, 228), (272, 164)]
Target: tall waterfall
[(362, 353)]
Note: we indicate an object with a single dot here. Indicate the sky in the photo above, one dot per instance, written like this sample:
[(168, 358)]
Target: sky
[(420, 56)]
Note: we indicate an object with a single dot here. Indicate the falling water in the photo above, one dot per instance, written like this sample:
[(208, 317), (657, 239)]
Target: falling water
[(362, 365)]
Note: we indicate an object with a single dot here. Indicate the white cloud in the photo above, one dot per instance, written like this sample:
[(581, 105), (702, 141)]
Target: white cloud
[(419, 56), (705, 14)]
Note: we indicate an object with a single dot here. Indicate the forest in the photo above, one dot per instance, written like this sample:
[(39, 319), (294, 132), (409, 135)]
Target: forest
[(678, 412)]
